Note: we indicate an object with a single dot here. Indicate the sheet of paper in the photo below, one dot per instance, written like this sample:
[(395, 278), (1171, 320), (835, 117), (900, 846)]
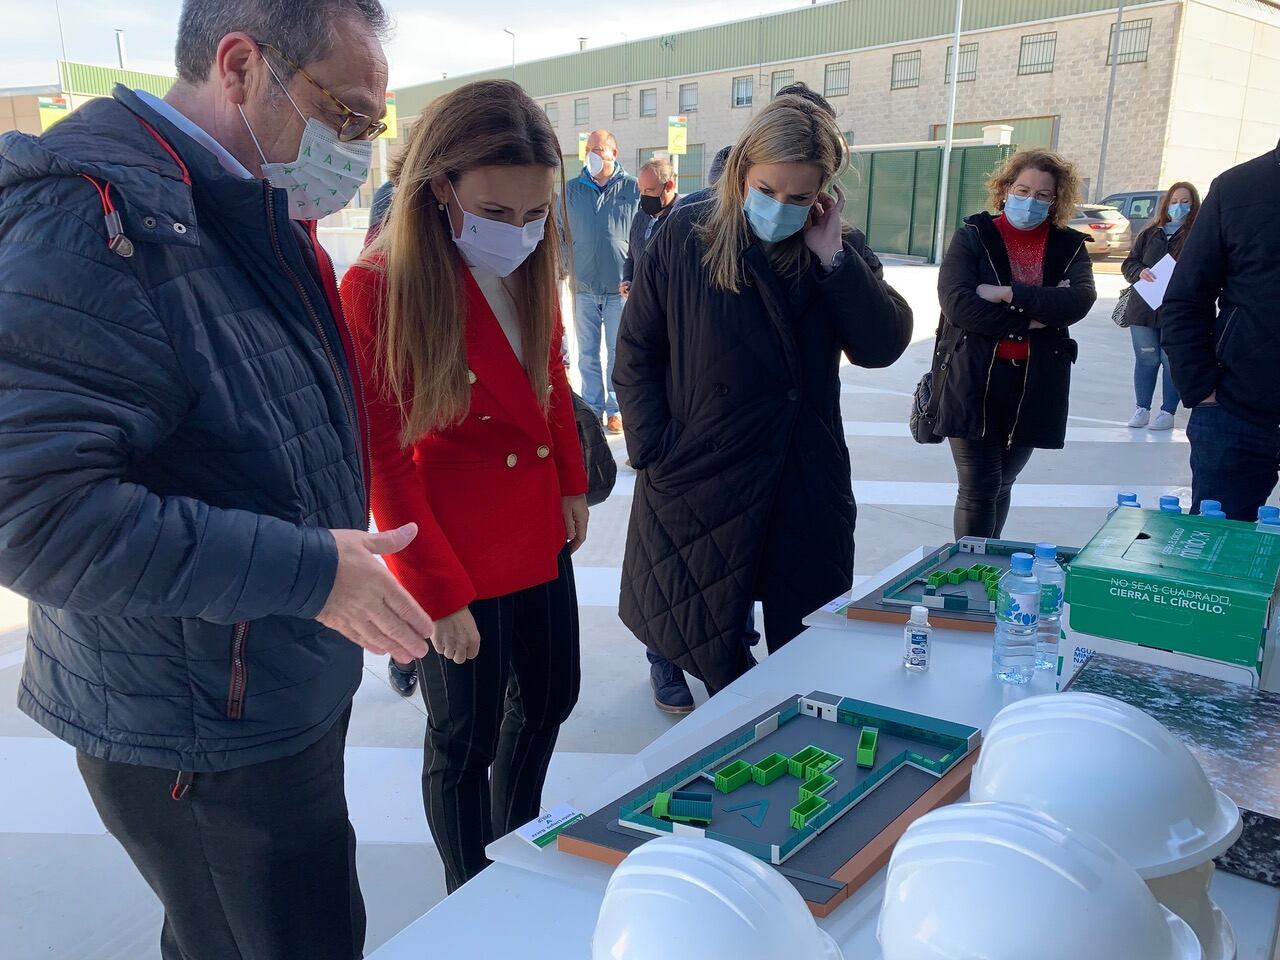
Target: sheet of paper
[(543, 831), (1153, 291)]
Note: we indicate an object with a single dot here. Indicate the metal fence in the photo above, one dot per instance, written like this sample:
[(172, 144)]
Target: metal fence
[(893, 194)]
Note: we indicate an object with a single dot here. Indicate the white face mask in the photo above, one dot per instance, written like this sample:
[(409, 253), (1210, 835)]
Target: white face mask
[(496, 246), (328, 172), (595, 164)]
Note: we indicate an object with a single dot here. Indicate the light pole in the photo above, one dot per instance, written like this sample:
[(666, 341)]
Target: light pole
[(1114, 50), (941, 236), (62, 39), (511, 33)]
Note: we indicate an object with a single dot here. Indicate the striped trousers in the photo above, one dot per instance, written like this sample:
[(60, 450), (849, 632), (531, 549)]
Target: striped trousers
[(492, 722)]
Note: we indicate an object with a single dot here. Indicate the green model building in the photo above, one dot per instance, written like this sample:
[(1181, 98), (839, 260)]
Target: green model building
[(867, 743)]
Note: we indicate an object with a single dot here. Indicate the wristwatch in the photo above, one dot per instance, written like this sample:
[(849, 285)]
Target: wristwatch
[(836, 260)]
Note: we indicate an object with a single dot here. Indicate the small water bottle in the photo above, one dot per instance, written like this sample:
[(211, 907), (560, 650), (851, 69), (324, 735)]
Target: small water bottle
[(916, 640), (1170, 504), (1013, 652), (1212, 510), (1053, 583)]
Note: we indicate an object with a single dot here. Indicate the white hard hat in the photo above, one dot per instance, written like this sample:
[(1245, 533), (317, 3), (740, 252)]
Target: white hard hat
[(1104, 767), (995, 881), (690, 898)]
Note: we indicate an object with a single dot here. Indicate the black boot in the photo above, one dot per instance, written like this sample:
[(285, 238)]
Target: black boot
[(403, 680)]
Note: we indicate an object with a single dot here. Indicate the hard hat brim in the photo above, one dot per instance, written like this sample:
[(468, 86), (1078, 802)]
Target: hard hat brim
[(1225, 831), (830, 949)]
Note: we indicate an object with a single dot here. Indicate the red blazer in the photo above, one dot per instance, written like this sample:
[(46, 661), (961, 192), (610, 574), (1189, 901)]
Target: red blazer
[(485, 494)]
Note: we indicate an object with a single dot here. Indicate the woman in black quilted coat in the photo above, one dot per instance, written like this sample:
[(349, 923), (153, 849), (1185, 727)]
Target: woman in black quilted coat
[(728, 374)]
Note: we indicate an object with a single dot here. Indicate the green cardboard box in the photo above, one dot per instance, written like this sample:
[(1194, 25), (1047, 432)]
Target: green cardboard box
[(1176, 582)]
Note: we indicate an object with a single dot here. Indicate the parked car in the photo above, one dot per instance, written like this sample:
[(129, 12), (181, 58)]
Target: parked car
[(1106, 227), (1138, 206)]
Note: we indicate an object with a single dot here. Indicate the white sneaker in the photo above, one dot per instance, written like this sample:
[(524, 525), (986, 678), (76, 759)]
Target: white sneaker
[(1161, 421), (1141, 417)]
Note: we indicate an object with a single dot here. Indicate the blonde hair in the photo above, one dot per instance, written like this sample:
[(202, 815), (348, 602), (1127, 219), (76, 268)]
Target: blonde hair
[(1065, 177), (421, 349), (791, 129)]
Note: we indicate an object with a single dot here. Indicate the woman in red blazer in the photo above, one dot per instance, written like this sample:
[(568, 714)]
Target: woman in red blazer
[(454, 308)]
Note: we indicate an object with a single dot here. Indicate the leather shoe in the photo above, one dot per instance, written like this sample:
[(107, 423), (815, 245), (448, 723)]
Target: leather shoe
[(614, 424), (671, 692), (403, 680)]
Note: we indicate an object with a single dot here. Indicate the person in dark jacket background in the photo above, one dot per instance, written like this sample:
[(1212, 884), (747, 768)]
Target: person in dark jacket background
[(1164, 236), (1222, 333), (1010, 286), (182, 495), (657, 183), (728, 374)]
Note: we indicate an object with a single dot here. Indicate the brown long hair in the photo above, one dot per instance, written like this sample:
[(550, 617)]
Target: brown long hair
[(1065, 178), (421, 345), (1162, 214), (791, 129)]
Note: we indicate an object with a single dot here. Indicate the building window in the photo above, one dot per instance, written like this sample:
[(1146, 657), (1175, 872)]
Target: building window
[(553, 113), (581, 112), (1134, 41), (690, 179), (688, 98), (742, 91), (968, 63), (1037, 53), (779, 79), (621, 105), (906, 70), (835, 80), (649, 102)]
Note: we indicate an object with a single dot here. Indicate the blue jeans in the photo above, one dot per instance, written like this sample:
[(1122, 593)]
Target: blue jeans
[(596, 312), (1233, 460), (1148, 360)]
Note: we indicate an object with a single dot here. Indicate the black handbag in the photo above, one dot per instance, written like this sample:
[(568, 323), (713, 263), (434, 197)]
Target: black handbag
[(602, 469), (926, 399), (1122, 306)]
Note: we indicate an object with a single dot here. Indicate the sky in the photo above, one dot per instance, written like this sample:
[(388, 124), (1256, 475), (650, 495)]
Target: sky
[(430, 38)]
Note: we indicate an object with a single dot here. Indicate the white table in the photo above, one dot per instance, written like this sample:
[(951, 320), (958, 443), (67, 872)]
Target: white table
[(542, 903)]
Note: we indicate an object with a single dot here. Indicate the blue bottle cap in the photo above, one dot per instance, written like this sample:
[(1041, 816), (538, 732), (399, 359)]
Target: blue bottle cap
[(1047, 551), (1124, 499), (1271, 521), (1268, 513), (1172, 503), (1208, 507), (1021, 563), (1213, 514)]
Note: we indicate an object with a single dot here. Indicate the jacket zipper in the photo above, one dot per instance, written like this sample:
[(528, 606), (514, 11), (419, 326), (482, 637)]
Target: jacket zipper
[(1226, 329), (992, 366), (235, 694), (348, 402)]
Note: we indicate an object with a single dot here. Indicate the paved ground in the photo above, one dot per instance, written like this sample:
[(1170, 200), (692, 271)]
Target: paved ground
[(70, 893)]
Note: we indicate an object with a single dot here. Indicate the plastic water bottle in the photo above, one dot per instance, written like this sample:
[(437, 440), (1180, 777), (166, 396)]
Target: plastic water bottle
[(1013, 654), (1053, 583), (1212, 510), (916, 640), (1127, 500), (1170, 504)]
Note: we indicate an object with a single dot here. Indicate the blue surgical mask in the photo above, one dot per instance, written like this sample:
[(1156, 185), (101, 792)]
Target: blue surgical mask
[(771, 219), (1025, 213), (1178, 211)]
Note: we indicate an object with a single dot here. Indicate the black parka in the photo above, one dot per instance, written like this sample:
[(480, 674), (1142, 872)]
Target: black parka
[(732, 406), (971, 328), (1152, 245)]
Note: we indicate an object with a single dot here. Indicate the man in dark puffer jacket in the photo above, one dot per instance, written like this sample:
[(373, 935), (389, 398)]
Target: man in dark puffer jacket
[(1220, 331), (182, 472)]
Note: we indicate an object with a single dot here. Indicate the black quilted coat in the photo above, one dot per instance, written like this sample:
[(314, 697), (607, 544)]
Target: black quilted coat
[(732, 406)]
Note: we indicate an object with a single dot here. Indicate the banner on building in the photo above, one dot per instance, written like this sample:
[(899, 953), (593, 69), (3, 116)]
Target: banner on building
[(391, 119), (582, 147), (677, 135), (53, 109)]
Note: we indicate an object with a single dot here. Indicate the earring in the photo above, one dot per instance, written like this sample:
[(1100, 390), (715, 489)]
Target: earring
[(440, 206)]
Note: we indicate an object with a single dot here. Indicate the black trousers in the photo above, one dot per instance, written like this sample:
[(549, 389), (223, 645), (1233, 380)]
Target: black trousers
[(492, 722), (987, 468), (256, 863)]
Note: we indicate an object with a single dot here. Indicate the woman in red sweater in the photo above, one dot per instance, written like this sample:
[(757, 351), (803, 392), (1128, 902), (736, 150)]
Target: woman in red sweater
[(1011, 286), (455, 312)]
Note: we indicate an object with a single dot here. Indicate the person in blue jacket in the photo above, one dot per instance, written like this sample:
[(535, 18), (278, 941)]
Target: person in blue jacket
[(183, 475), (600, 204)]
